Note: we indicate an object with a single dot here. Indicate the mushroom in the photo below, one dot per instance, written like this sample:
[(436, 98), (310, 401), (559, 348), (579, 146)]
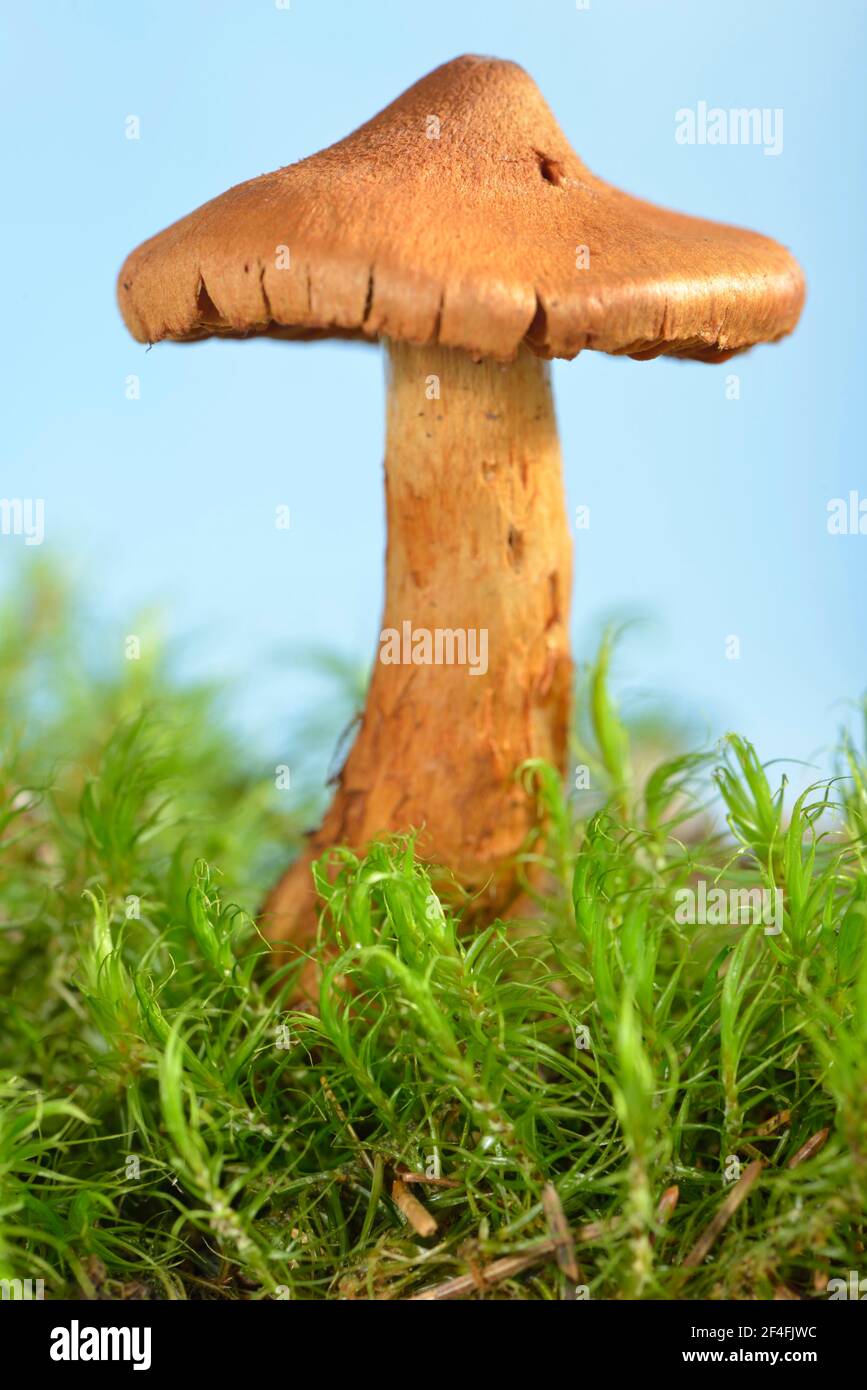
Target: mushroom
[(459, 226)]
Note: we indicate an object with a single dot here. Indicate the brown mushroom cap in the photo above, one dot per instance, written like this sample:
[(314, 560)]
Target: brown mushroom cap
[(457, 216)]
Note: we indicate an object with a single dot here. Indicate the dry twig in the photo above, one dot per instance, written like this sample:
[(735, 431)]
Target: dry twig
[(724, 1215)]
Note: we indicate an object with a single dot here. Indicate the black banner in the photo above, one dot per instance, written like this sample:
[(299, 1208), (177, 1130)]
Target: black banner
[(83, 1339)]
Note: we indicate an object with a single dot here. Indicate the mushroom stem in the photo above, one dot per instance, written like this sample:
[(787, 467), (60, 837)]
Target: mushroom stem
[(479, 569)]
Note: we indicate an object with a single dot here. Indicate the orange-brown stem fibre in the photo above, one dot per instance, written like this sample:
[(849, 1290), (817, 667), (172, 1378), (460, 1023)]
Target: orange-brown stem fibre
[(479, 546)]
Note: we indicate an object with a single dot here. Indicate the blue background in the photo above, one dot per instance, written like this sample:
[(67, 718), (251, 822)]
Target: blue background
[(708, 516)]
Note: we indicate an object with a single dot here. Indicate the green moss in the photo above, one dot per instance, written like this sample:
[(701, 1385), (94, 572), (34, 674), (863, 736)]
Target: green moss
[(170, 1127)]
